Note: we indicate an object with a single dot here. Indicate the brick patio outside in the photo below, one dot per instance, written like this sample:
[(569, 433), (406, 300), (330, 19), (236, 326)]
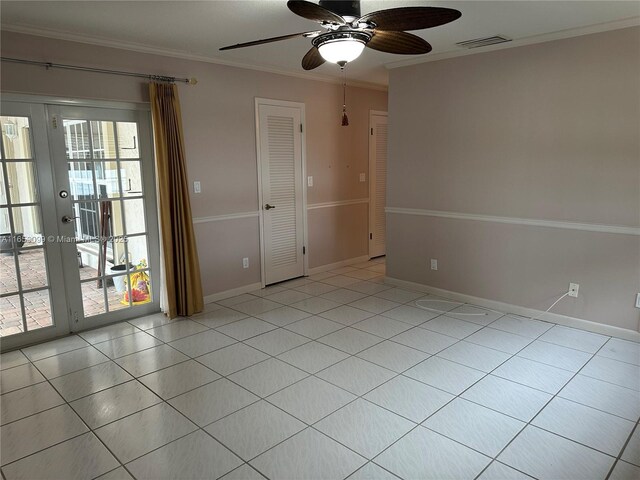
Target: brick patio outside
[(37, 307)]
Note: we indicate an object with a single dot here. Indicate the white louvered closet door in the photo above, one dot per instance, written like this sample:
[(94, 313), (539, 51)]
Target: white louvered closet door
[(282, 194), (377, 185)]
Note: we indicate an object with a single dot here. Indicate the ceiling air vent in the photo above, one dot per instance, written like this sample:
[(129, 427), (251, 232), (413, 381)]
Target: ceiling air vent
[(483, 42)]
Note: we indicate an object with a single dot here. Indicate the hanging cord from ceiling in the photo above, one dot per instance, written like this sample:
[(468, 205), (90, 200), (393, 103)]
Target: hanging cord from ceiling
[(345, 119), (49, 65)]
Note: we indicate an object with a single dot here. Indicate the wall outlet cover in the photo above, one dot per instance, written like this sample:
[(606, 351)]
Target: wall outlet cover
[(434, 264), (245, 262), (573, 289)]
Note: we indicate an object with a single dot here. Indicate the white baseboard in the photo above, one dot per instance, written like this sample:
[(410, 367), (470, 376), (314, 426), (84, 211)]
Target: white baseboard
[(564, 320), (333, 266), (214, 297)]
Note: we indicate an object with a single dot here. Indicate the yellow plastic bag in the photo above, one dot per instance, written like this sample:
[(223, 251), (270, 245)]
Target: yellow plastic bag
[(140, 286)]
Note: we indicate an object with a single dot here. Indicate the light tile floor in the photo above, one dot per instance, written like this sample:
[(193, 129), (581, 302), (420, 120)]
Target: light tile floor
[(333, 376)]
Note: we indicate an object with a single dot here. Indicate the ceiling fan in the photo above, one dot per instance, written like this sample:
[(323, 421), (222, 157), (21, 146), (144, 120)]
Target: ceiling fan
[(346, 32)]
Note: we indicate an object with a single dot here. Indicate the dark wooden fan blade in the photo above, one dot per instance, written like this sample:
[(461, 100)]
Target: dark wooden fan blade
[(269, 40), (312, 11), (312, 59), (398, 42), (411, 18)]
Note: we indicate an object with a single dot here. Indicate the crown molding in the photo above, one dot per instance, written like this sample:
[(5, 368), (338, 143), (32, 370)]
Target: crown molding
[(166, 52), (521, 42)]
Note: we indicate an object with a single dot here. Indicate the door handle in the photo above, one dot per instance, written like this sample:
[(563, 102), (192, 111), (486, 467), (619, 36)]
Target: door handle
[(269, 207), (68, 219)]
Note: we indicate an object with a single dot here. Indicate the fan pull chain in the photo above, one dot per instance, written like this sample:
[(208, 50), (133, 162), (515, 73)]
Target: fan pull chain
[(345, 119)]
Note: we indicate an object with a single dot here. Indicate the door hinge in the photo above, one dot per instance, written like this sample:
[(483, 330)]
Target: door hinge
[(371, 130), (54, 121), (300, 128), (371, 236), (304, 250), (73, 315)]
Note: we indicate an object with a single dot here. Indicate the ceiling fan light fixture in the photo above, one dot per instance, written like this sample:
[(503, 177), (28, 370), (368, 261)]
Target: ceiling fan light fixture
[(341, 51), (347, 32), (342, 46)]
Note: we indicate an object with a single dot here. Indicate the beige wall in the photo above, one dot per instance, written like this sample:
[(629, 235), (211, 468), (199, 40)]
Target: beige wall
[(549, 131), (327, 227), (219, 122)]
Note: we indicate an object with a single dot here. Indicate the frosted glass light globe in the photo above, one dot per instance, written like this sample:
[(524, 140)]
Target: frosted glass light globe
[(342, 50)]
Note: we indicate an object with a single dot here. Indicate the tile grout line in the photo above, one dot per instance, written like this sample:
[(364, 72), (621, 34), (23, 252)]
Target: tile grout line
[(260, 399), (529, 423), (201, 428), (242, 341), (531, 419), (272, 356), (90, 431), (389, 379), (134, 377), (166, 343), (459, 396), (618, 459), (368, 401)]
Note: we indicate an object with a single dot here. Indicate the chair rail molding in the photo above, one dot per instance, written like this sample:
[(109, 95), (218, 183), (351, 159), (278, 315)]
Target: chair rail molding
[(229, 216), (337, 203), (589, 227)]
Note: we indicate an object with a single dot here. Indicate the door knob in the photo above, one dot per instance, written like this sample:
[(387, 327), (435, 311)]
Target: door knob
[(269, 207), (68, 219)]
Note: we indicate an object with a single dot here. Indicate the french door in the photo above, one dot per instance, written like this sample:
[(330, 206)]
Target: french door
[(79, 218)]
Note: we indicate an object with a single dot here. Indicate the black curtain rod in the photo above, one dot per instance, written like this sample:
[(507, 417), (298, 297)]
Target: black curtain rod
[(48, 65)]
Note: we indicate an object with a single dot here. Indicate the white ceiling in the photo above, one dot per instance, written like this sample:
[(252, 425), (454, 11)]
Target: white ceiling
[(198, 28)]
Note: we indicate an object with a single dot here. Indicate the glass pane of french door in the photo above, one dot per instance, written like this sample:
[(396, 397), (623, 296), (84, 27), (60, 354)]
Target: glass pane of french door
[(30, 306), (24, 283), (107, 170)]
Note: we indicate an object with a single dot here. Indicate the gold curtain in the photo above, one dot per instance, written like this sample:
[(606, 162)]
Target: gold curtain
[(182, 269)]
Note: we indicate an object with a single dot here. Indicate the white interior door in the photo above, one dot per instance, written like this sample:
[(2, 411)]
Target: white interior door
[(377, 183), (280, 167)]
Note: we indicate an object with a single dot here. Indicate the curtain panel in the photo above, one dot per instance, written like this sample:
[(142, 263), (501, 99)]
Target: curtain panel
[(180, 255)]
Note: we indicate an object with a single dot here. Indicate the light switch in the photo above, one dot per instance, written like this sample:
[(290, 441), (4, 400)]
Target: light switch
[(363, 177), (309, 181), (196, 187)]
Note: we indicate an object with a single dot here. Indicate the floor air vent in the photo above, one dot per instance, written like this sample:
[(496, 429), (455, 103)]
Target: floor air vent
[(483, 42)]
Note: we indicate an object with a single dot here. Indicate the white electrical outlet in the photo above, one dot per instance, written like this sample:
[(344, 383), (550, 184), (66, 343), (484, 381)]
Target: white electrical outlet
[(638, 300), (573, 289), (363, 177), (245, 262), (196, 187), (309, 181), (434, 264)]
